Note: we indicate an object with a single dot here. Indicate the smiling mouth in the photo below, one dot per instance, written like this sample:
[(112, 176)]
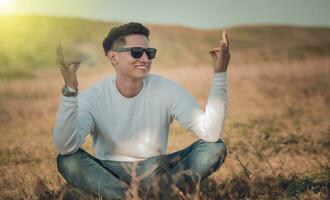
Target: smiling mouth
[(141, 67)]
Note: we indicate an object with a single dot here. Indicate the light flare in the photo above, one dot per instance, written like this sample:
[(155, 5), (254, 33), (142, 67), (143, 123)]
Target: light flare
[(5, 6)]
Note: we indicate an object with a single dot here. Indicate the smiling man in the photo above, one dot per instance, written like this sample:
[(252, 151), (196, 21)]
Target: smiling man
[(128, 116)]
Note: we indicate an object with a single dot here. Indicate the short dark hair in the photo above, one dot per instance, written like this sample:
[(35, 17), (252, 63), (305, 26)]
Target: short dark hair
[(117, 34)]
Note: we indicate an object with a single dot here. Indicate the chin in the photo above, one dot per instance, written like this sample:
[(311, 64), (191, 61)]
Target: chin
[(141, 74)]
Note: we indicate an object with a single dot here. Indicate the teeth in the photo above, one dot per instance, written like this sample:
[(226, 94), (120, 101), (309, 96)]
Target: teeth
[(142, 67)]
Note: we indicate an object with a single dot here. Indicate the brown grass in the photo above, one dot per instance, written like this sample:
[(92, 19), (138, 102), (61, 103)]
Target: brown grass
[(277, 131)]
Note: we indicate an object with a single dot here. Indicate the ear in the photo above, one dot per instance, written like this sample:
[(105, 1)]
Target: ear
[(113, 57)]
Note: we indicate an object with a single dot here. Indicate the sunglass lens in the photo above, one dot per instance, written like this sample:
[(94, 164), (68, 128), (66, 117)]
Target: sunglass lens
[(137, 52), (151, 53)]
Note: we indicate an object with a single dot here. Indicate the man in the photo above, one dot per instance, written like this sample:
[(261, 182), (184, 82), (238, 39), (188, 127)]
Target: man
[(128, 116)]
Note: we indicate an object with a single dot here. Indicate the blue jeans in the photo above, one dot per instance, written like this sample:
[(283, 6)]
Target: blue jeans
[(112, 179)]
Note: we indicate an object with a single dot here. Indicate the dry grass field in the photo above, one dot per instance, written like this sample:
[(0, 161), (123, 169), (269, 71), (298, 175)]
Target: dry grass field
[(277, 131)]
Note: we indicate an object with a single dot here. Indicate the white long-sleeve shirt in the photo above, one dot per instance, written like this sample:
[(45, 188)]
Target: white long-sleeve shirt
[(130, 129)]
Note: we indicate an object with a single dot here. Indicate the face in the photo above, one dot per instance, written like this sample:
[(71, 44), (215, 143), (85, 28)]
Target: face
[(128, 67)]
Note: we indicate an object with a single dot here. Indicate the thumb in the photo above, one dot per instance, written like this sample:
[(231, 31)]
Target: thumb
[(213, 54)]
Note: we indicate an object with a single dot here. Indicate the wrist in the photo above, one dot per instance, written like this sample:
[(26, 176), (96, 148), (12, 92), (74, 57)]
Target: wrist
[(73, 86), (219, 70), (72, 89), (69, 91)]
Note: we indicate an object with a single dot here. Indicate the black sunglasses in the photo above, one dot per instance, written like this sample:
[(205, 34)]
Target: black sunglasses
[(137, 52)]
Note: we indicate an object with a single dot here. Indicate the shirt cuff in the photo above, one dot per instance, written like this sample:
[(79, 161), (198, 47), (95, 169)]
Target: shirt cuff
[(220, 79), (69, 99), (220, 74)]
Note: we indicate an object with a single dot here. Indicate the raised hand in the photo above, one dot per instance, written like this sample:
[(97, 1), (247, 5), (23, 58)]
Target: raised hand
[(221, 55), (68, 69)]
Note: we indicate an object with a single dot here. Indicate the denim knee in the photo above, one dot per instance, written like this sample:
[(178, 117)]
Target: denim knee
[(68, 164), (213, 152), (217, 148)]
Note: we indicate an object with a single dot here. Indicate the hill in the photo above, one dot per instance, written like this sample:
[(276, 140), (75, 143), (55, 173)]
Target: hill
[(28, 43)]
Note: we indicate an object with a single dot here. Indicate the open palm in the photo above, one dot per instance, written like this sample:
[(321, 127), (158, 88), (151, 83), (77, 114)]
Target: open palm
[(68, 69)]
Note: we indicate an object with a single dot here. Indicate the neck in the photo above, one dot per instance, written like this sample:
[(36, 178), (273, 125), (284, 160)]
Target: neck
[(129, 87)]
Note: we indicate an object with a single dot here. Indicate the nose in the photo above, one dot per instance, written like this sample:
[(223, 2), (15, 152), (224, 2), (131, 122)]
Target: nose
[(144, 57)]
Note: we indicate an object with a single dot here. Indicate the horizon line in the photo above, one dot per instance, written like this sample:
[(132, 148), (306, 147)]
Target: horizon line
[(163, 24)]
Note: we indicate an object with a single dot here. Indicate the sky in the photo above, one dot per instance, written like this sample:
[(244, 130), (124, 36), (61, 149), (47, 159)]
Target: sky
[(203, 14)]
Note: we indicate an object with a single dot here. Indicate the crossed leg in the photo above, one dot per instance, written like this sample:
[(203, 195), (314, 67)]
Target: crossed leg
[(187, 167), (84, 171), (111, 180)]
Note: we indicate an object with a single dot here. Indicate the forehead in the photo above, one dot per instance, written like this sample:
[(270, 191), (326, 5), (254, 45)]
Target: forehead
[(136, 41)]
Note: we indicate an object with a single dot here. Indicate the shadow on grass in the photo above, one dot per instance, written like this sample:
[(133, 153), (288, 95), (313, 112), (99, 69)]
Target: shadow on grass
[(239, 187), (271, 187), (66, 192)]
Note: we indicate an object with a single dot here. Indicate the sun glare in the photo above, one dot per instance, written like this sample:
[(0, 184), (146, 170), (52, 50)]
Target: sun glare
[(5, 5)]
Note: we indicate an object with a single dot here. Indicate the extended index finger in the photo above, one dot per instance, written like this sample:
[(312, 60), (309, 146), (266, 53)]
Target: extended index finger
[(225, 37)]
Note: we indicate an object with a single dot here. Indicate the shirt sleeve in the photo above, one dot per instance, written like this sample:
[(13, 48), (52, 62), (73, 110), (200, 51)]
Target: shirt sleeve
[(206, 125), (74, 121)]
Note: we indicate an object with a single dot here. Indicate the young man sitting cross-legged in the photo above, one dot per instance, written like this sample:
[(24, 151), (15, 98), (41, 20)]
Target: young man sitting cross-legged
[(128, 116)]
